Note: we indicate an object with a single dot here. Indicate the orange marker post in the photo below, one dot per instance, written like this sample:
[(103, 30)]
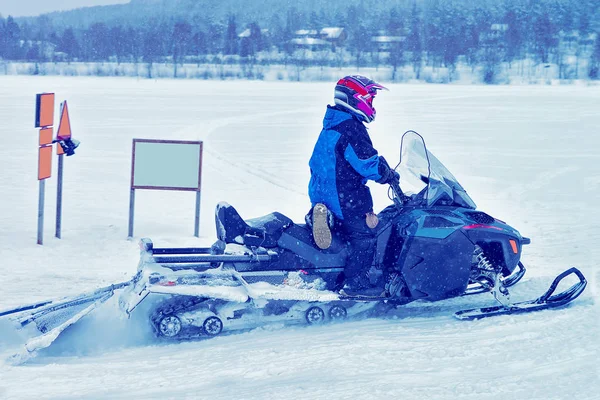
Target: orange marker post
[(44, 118), (44, 110), (45, 162), (46, 136)]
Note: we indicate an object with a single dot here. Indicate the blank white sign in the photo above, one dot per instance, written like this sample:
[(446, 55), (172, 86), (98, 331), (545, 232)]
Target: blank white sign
[(166, 164)]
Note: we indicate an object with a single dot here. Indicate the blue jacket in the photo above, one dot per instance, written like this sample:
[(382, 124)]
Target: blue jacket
[(341, 163)]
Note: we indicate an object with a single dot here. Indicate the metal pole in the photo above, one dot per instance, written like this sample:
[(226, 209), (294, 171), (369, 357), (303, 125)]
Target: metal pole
[(131, 209), (40, 236), (59, 196), (197, 219)]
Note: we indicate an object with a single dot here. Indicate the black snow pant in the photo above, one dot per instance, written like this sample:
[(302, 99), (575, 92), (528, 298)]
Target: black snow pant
[(361, 246)]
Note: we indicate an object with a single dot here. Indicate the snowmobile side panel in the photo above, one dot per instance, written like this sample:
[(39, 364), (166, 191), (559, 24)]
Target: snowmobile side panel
[(436, 269)]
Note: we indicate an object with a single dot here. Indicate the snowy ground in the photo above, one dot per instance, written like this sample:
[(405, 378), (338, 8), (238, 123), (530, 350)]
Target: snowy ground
[(527, 155)]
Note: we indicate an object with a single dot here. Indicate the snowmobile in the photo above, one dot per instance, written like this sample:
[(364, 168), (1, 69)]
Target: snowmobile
[(432, 244)]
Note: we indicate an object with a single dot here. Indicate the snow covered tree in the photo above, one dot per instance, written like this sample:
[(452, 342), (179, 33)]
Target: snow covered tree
[(33, 53), (215, 34), (180, 42), (594, 71), (3, 37), (450, 41), (100, 43), (12, 35), (414, 42), (277, 33), (317, 20), (396, 57), (152, 48), (199, 44), (361, 42), (134, 43), (68, 44), (231, 38), (514, 35), (120, 42), (252, 43), (544, 39), (395, 26)]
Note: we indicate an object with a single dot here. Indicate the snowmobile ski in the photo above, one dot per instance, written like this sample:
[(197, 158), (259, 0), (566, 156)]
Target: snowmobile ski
[(44, 307), (547, 300), (34, 345), (52, 317)]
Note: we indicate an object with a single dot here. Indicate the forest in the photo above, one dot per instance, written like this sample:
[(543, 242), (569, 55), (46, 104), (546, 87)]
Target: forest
[(396, 34)]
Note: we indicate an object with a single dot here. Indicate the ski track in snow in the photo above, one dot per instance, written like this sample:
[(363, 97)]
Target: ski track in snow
[(527, 155), (213, 129)]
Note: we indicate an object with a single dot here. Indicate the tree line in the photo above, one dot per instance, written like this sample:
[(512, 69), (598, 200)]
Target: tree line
[(437, 33)]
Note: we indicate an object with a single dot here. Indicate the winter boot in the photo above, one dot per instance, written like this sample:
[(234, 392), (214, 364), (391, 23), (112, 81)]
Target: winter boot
[(360, 286), (320, 226)]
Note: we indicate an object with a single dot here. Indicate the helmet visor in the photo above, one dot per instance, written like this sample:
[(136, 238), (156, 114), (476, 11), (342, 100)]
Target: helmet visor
[(374, 87)]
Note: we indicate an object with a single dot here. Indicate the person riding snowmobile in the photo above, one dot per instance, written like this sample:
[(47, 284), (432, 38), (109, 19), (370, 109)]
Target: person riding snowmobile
[(342, 161)]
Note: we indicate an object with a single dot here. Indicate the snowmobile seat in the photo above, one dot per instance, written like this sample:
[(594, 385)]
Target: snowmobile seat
[(262, 231), (299, 240)]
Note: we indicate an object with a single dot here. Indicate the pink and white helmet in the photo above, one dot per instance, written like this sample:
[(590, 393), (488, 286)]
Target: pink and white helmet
[(356, 93)]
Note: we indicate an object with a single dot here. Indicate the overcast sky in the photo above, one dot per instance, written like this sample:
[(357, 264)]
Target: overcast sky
[(24, 8)]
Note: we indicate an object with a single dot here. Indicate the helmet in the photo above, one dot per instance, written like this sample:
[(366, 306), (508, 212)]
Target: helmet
[(356, 93)]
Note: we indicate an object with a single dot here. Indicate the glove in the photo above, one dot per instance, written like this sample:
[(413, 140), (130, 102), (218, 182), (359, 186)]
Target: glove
[(389, 176), (394, 177)]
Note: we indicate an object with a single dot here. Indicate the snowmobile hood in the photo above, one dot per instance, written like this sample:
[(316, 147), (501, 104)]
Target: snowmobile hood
[(335, 116)]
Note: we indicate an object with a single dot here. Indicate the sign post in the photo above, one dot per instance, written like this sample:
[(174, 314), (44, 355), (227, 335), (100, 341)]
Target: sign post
[(131, 212), (44, 119), (166, 165), (59, 185), (197, 219), (63, 134)]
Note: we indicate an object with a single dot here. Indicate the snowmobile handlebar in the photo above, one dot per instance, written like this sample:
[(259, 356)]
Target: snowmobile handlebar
[(399, 198)]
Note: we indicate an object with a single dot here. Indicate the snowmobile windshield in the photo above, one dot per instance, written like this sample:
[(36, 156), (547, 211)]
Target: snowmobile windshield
[(425, 179)]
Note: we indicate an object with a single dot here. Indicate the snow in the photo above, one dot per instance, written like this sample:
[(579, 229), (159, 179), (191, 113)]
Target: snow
[(526, 155)]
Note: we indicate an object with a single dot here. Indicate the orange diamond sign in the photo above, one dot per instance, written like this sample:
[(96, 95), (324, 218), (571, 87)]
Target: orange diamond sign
[(64, 127)]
